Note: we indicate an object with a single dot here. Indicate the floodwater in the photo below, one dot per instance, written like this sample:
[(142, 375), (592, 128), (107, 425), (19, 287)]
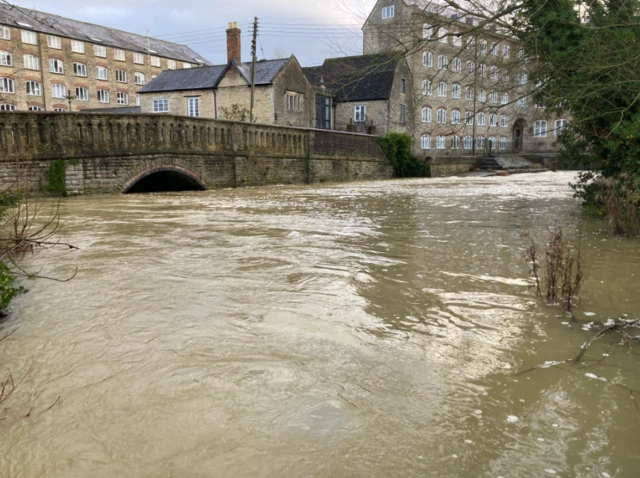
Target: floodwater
[(374, 329)]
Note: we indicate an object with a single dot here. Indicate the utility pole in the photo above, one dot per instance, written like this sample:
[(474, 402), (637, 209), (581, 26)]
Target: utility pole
[(253, 67)]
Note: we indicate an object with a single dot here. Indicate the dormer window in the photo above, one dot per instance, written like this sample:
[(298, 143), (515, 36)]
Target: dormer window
[(388, 12)]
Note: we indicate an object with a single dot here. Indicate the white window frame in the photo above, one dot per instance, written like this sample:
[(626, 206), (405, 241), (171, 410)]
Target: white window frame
[(100, 51), (7, 107), (293, 102), (5, 34), (140, 78), (492, 143), (29, 37), (119, 54), (506, 51), (493, 72), (160, 105), (35, 108), (502, 144), (102, 73), (483, 46), (6, 58), (443, 33), (103, 96), (493, 97), (427, 88), (138, 58), (427, 31), (456, 91), (172, 65), (425, 141), (427, 59), (481, 119), (457, 65), (122, 98), (58, 91), (469, 118), (82, 93), (493, 120), (522, 102), (442, 89), (54, 42), (455, 142), (122, 76), (471, 67), (540, 129), (388, 12), (504, 99), (360, 113), (56, 66), (495, 49), (80, 69), (156, 61), (193, 106), (7, 85), (31, 62), (427, 114), (455, 117), (186, 66), (559, 126), (504, 121), (480, 142), (441, 142), (469, 93), (443, 62), (468, 143), (441, 116), (33, 88), (77, 46)]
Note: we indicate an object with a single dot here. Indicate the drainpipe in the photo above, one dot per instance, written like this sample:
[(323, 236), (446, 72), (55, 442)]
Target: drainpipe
[(215, 105), (44, 95)]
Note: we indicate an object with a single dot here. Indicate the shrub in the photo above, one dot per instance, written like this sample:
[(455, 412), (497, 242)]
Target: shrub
[(397, 149), (57, 181)]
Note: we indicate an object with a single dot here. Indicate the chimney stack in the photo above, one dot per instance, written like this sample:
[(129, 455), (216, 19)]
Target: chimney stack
[(234, 45)]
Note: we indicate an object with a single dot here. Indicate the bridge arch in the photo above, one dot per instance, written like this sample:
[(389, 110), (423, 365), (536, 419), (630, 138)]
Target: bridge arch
[(164, 179)]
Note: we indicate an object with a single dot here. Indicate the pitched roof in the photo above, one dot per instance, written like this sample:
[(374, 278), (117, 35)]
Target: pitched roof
[(356, 78), (69, 28), (208, 77)]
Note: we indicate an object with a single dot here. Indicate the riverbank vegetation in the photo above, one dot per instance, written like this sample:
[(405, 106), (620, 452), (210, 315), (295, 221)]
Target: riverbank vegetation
[(397, 149)]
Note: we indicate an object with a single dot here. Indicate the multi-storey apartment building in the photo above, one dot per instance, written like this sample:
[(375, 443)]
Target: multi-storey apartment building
[(470, 83), (52, 63)]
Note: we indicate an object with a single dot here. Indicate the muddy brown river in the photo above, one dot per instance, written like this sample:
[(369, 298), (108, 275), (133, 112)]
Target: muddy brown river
[(373, 329)]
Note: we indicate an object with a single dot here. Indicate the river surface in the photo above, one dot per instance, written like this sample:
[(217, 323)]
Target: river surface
[(374, 329)]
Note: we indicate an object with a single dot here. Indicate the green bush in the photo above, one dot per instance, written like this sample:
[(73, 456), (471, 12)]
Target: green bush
[(8, 289), (397, 149), (57, 181)]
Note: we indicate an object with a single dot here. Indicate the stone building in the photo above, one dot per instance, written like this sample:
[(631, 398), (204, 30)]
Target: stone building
[(45, 59), (371, 93), (469, 84), (283, 96)]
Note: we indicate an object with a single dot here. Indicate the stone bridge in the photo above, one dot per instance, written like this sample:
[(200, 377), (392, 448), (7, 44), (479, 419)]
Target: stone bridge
[(106, 153)]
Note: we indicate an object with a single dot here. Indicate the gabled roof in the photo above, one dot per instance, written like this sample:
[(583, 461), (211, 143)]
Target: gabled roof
[(66, 27), (356, 78), (208, 77)]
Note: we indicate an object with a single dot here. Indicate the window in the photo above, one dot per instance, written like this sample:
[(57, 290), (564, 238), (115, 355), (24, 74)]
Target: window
[(493, 119), (99, 50), (403, 85), (137, 100), (5, 34), (504, 121), (471, 67), (457, 39), (483, 46), (521, 54), (193, 106), (403, 114), (523, 78), (505, 74), (468, 142), (457, 65), (59, 110), (456, 91), (482, 95), (58, 91), (121, 76), (80, 69), (82, 93), (483, 70), (5, 58), (468, 92), (119, 55), (481, 119), (140, 79), (540, 129), (77, 46), (426, 114), (56, 66), (427, 59), (160, 105), (29, 37), (443, 33), (294, 102), (138, 58), (54, 42), (495, 48), (441, 142), (492, 143), (156, 61), (468, 118), (427, 30), (455, 142), (360, 113), (426, 87), (522, 102), (503, 143), (6, 107), (442, 89), (443, 62), (388, 12), (35, 108), (186, 65), (103, 96), (426, 141), (559, 126), (480, 142), (506, 51), (494, 72), (34, 88), (122, 98), (102, 73), (7, 85), (493, 97), (455, 117), (441, 116), (504, 99), (172, 64), (31, 62)]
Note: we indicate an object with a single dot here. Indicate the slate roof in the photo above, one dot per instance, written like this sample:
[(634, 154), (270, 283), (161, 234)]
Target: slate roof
[(69, 28), (356, 78), (208, 77)]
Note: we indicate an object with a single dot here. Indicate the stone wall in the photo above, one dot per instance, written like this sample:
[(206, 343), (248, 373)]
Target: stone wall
[(442, 167), (108, 153)]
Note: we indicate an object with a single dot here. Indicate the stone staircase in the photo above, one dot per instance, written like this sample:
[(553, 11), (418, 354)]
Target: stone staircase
[(508, 164)]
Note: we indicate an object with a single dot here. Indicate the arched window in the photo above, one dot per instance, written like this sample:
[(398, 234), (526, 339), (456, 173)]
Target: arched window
[(480, 142), (426, 141), (503, 143), (426, 114), (493, 97), (559, 126), (483, 46), (481, 119), (455, 117), (505, 98), (442, 116), (427, 59), (34, 88), (7, 107), (441, 142), (443, 62), (457, 65), (426, 87), (456, 91), (483, 70), (504, 121), (5, 58), (468, 117), (455, 142), (540, 129), (471, 67), (494, 72), (482, 95), (442, 89), (468, 142), (493, 119), (469, 93), (7, 85), (492, 143), (523, 79)]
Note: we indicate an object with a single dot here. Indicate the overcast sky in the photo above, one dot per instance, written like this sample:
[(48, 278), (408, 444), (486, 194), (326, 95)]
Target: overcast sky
[(310, 29)]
